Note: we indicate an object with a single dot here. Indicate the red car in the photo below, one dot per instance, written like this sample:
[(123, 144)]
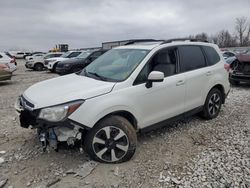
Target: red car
[(240, 69)]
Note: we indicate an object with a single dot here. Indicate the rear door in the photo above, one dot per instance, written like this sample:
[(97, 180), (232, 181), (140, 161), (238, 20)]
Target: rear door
[(193, 65)]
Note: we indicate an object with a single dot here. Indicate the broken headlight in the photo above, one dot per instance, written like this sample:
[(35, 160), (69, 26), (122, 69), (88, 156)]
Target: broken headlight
[(60, 112)]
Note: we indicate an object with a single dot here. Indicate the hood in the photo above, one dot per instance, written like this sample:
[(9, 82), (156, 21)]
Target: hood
[(65, 89), (72, 60)]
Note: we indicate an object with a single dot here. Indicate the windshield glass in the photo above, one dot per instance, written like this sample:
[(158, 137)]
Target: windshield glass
[(83, 55), (66, 54), (115, 65)]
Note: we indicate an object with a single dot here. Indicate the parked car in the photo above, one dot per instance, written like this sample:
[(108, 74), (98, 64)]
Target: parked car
[(77, 64), (36, 62), (30, 55), (131, 88), (5, 73), (12, 57), (6, 59), (240, 69), (52, 62), (27, 54), (19, 55)]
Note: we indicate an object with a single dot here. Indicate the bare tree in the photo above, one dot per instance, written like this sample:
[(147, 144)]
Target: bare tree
[(202, 36), (224, 39), (241, 29)]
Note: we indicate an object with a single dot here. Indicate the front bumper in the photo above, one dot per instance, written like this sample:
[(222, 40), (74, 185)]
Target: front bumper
[(240, 77)]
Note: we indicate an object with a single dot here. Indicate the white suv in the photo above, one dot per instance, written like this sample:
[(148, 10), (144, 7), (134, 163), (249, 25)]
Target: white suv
[(36, 62), (136, 87)]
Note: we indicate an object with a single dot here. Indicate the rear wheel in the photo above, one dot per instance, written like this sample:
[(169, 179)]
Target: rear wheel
[(213, 104), (54, 68), (113, 140), (38, 67)]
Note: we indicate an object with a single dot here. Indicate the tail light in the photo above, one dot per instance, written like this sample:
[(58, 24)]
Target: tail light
[(227, 67)]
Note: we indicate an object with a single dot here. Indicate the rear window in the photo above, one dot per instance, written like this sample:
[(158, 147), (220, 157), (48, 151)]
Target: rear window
[(191, 58), (212, 55)]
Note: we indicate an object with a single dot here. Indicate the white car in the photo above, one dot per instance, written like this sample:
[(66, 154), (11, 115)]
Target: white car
[(36, 62), (136, 87), (5, 59), (52, 62)]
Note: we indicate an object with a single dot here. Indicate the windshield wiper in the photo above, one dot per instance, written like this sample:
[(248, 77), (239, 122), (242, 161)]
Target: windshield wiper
[(97, 75)]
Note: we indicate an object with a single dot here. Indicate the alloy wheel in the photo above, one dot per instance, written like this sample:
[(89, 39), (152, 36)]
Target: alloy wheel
[(110, 144), (214, 104)]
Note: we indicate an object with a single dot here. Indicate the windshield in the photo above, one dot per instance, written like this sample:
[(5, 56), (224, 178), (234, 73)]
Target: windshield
[(66, 54), (115, 65), (83, 55)]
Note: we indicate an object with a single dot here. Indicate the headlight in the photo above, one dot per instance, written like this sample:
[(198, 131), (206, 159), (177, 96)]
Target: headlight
[(60, 112)]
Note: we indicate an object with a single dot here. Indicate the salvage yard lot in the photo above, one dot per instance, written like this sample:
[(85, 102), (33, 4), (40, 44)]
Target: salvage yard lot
[(193, 152)]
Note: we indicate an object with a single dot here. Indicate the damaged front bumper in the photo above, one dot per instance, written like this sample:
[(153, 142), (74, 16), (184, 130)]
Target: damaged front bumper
[(48, 132)]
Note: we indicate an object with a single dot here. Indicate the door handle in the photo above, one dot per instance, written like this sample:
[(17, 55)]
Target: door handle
[(181, 82), (208, 73)]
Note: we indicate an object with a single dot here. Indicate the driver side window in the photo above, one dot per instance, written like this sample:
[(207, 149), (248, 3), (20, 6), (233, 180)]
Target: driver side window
[(164, 61)]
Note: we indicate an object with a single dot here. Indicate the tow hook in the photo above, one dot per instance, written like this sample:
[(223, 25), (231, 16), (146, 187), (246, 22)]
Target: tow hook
[(43, 140)]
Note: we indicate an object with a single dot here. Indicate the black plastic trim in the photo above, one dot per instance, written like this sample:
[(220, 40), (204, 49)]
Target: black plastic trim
[(169, 121)]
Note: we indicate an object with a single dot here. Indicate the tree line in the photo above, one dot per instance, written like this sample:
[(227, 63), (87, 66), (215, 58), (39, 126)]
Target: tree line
[(240, 37)]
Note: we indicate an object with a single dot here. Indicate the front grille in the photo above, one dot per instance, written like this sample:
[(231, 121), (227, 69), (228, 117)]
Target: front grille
[(27, 118)]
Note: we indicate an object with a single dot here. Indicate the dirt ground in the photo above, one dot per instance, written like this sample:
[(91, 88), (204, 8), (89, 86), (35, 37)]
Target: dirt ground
[(167, 151)]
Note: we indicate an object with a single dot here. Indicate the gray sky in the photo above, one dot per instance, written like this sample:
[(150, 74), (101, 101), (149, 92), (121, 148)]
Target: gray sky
[(41, 24)]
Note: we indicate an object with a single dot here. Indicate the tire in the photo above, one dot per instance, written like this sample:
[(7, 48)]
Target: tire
[(212, 105), (38, 67), (54, 68), (120, 146)]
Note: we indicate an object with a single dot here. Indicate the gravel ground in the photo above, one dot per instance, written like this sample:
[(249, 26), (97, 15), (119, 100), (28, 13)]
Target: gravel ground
[(190, 153)]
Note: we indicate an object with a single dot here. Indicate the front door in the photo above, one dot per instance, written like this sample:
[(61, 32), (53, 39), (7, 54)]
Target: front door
[(164, 99)]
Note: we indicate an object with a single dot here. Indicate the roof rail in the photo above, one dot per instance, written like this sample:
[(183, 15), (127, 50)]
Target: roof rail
[(132, 41), (183, 39)]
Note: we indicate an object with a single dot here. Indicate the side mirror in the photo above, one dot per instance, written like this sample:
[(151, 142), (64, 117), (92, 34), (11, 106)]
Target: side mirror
[(154, 76)]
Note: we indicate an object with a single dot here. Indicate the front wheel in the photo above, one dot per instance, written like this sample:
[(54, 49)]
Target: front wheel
[(38, 67), (113, 140), (212, 105)]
